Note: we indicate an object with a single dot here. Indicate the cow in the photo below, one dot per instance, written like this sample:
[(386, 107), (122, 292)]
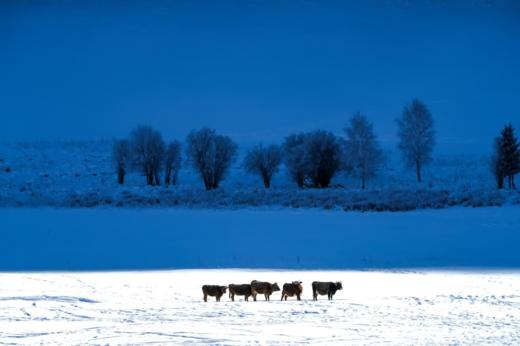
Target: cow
[(264, 288), (240, 290), (295, 288), (213, 291), (325, 288)]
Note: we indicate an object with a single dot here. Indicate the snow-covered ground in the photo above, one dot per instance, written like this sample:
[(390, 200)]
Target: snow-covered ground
[(156, 238), (80, 174), (375, 307)]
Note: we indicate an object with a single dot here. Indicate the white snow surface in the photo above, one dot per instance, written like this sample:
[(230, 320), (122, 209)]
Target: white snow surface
[(166, 307)]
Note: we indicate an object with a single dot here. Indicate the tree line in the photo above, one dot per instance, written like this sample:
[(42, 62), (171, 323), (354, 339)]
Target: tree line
[(312, 158)]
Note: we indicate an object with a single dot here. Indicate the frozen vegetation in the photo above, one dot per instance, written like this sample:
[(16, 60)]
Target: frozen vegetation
[(374, 307), (82, 174)]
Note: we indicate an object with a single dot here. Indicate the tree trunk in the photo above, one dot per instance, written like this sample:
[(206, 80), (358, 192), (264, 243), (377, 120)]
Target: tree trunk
[(167, 177), (121, 176), (300, 180), (324, 182), (418, 170), (500, 181), (207, 185), (174, 179), (267, 182)]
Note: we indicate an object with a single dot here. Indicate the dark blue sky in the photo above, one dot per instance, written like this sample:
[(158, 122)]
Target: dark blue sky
[(255, 69)]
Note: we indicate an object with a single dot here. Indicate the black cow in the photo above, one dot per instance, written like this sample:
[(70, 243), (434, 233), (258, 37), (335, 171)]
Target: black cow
[(213, 291), (264, 288), (240, 290), (325, 288), (295, 288)]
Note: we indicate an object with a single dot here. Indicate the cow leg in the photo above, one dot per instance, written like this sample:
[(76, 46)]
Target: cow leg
[(298, 297), (205, 297)]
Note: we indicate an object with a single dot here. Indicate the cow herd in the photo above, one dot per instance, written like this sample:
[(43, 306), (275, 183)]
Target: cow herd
[(292, 289)]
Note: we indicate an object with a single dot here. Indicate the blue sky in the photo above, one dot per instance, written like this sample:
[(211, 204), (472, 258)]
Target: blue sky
[(256, 70)]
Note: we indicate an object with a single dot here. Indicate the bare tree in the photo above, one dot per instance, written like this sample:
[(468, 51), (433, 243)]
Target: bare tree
[(263, 161), (363, 155), (416, 136), (172, 163), (147, 152), (211, 155), (295, 158), (120, 157), (323, 156)]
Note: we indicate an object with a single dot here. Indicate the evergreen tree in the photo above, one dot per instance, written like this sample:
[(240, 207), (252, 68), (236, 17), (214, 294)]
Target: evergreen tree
[(510, 154)]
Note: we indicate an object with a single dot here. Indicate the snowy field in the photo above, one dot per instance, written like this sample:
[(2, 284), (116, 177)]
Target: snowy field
[(156, 238), (81, 174), (375, 307), (472, 297)]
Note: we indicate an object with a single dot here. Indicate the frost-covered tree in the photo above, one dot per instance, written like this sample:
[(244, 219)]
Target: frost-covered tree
[(147, 152), (211, 155), (497, 163), (323, 156), (416, 136), (172, 163), (363, 155), (120, 158), (295, 157), (509, 154), (263, 161)]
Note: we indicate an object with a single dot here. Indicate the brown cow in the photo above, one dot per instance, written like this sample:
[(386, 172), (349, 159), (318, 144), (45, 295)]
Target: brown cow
[(240, 290), (264, 288), (213, 291), (295, 288), (325, 288)]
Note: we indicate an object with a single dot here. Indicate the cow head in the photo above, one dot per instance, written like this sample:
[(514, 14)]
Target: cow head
[(275, 287), (339, 286), (223, 289)]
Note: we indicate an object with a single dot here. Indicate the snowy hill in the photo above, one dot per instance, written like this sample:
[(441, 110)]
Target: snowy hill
[(80, 174)]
